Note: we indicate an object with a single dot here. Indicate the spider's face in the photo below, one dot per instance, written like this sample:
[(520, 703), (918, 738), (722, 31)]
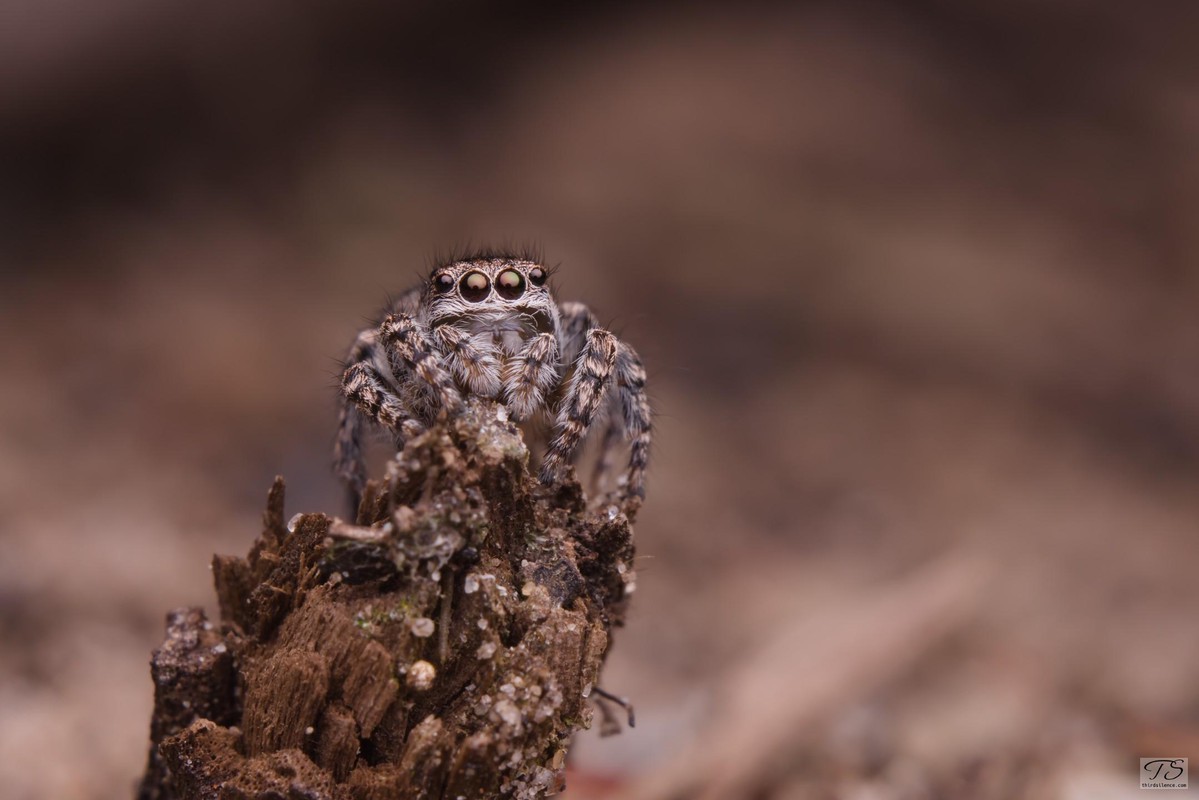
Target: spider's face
[(490, 288)]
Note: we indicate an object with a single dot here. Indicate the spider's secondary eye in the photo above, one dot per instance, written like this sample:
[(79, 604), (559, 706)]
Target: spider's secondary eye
[(510, 284), (443, 283), (474, 286), (537, 276)]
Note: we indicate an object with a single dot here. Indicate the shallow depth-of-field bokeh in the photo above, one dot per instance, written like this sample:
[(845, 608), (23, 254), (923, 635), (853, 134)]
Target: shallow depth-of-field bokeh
[(916, 284)]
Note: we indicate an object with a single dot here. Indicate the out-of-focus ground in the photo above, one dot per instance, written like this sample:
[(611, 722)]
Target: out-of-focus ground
[(916, 284)]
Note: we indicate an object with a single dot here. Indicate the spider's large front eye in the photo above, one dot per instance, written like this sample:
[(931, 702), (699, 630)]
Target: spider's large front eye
[(537, 276), (474, 286), (443, 283), (510, 284)]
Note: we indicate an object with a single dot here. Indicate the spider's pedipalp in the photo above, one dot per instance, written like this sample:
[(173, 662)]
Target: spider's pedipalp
[(470, 360), (531, 375)]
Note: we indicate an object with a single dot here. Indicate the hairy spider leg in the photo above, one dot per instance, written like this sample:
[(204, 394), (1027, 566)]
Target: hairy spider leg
[(410, 351), (584, 397)]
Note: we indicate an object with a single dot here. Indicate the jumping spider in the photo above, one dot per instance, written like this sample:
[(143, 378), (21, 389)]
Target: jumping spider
[(487, 325)]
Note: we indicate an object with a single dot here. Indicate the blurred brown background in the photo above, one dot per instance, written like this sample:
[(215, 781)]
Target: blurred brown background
[(912, 280)]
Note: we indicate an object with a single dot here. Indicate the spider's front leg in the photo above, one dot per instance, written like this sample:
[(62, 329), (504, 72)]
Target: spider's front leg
[(349, 463), (584, 396), (409, 351), (630, 411), (635, 414), (367, 395), (630, 416)]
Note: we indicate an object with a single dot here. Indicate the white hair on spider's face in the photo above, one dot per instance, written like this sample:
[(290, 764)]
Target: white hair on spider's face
[(504, 295), (487, 325)]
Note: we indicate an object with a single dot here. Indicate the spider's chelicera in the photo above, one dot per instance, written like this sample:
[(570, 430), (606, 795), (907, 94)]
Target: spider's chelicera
[(488, 326)]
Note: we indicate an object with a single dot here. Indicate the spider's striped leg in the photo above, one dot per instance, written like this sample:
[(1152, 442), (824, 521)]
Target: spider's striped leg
[(585, 392), (349, 462), (635, 412), (470, 360), (531, 374), (576, 320), (613, 433), (367, 397), (409, 351), (630, 416)]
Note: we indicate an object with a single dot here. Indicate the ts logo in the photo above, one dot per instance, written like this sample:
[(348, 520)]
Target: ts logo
[(1164, 769)]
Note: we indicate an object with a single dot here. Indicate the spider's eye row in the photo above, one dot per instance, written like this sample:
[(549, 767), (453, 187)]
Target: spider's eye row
[(443, 283), (537, 276), (510, 284), (474, 286)]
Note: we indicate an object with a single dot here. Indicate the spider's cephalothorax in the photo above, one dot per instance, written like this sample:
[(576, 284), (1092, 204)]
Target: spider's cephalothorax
[(488, 326)]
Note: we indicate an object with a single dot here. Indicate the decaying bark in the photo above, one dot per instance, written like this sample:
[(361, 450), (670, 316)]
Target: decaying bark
[(443, 646)]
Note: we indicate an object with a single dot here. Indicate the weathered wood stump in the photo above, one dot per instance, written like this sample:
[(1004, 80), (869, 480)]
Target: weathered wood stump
[(442, 646)]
